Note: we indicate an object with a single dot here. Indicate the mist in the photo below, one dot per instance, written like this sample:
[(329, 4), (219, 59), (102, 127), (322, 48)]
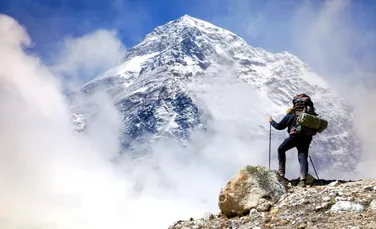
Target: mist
[(54, 177), (342, 51), (78, 62), (50, 176)]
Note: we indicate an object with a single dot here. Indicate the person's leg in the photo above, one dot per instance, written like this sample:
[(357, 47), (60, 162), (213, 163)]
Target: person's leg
[(287, 144), (303, 148), (303, 160)]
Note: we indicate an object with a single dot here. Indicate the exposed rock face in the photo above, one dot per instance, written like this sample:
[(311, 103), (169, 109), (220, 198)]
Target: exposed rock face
[(373, 204), (252, 187), (324, 204), (346, 206)]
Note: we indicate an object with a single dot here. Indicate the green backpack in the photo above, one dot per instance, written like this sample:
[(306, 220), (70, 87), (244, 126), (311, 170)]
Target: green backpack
[(307, 121)]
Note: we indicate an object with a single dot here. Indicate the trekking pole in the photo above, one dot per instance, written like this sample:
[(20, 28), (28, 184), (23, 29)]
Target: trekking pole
[(314, 167), (270, 141)]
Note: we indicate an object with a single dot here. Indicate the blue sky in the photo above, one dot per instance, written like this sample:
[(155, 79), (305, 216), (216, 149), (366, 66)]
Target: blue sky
[(133, 19), (273, 25)]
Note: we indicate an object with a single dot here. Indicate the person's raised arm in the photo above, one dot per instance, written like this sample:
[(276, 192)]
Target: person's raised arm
[(280, 125)]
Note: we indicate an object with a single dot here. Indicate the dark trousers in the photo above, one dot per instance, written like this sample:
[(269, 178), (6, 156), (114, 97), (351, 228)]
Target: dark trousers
[(302, 144)]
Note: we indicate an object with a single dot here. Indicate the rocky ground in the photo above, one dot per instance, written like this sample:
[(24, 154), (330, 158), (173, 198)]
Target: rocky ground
[(323, 204)]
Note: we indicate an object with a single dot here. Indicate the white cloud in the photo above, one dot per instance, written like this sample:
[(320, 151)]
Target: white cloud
[(53, 177), (330, 41), (82, 58), (49, 175)]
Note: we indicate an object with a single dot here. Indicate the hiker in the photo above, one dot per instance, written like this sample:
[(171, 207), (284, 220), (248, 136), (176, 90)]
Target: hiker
[(299, 140)]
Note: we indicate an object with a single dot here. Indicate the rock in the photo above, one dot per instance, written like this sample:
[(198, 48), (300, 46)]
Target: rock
[(267, 219), (264, 207), (333, 184), (284, 222), (373, 205), (253, 212), (338, 198), (368, 188), (312, 207), (346, 206), (333, 193), (275, 210), (322, 206), (325, 205), (244, 190), (208, 216)]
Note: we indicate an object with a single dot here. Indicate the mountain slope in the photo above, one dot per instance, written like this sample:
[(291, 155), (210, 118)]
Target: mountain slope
[(159, 86)]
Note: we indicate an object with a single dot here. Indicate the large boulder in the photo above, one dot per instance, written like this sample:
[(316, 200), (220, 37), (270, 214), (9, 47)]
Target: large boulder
[(251, 187)]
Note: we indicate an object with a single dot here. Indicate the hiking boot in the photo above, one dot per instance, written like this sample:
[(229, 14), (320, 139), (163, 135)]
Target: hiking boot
[(302, 183), (281, 169), (281, 173)]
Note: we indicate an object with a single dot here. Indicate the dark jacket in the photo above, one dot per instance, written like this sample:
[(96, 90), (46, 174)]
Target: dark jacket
[(288, 121)]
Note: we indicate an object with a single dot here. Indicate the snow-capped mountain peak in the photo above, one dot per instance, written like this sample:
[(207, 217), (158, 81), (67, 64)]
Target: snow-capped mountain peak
[(199, 43), (152, 87), (185, 23)]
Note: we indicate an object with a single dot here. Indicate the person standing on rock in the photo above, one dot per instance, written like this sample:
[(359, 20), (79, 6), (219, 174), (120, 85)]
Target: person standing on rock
[(301, 141)]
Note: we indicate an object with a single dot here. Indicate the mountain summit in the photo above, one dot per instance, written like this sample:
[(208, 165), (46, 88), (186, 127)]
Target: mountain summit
[(155, 88)]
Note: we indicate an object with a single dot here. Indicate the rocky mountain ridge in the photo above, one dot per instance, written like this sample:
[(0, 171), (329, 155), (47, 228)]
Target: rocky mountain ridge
[(254, 199)]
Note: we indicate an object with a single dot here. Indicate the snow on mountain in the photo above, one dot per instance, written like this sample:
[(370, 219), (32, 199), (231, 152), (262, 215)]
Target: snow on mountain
[(156, 88)]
